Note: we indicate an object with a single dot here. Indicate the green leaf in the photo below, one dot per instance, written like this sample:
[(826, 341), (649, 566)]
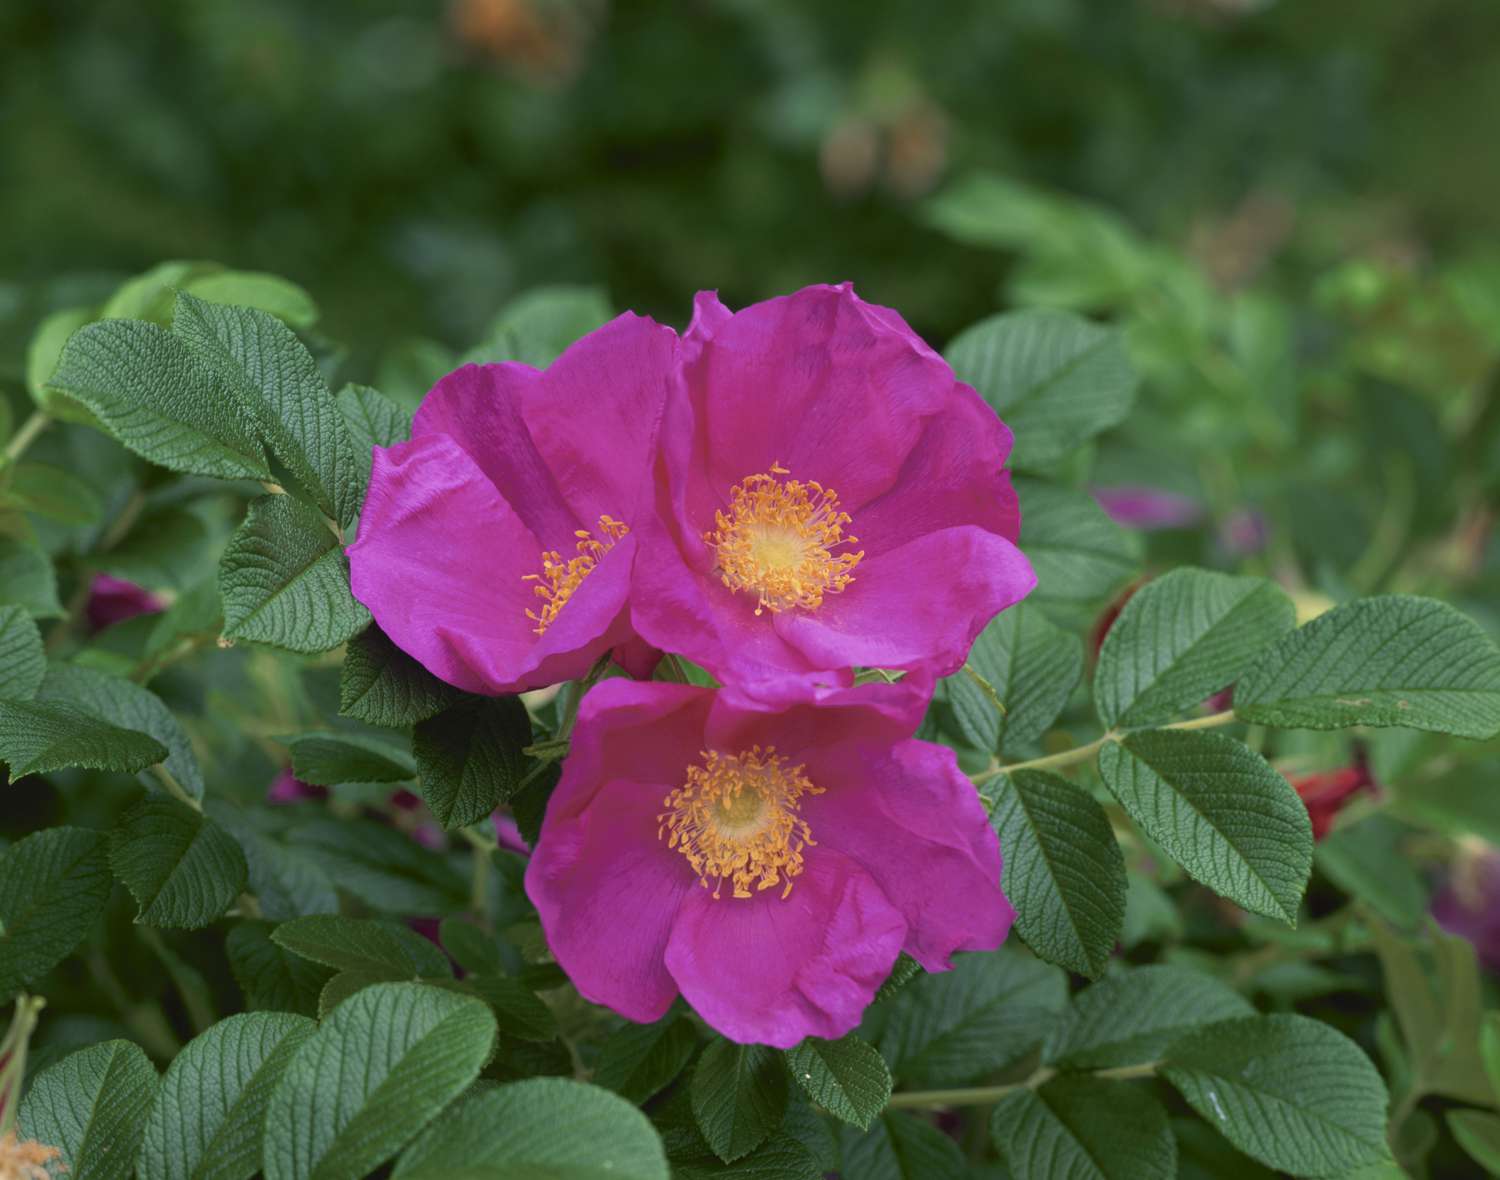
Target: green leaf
[(543, 1127), (1286, 1090), (284, 580), (53, 886), (150, 295), (1218, 809), (1086, 1129), (209, 1116), (1182, 638), (247, 288), (377, 1071), (263, 364), (37, 738), (535, 327), (1478, 1133), (472, 948), (470, 757), (128, 705), (182, 868), (92, 1104), (373, 420), (638, 1060), (42, 354), (151, 393), (286, 883), (358, 944), (1391, 660), (171, 547), (1080, 556), (272, 977), (1489, 1049), (518, 1010), (328, 759), (1032, 665), (382, 685), (739, 1095), (1063, 869), (51, 492), (1055, 378), (27, 580), (1132, 1016), (196, 613), (384, 868), (847, 1077), (23, 661), (781, 1157), (951, 1027), (1366, 861), (900, 1147)]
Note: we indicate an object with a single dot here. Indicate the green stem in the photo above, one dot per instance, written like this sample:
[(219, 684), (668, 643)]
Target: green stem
[(174, 788), (13, 1050), (479, 879), (1085, 752), (24, 437), (984, 1095)]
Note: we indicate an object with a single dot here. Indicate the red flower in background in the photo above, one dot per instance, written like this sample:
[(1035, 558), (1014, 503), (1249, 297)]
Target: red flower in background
[(1327, 792)]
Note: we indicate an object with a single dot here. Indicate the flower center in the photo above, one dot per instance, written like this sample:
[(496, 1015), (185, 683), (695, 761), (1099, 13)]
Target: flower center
[(559, 578), (735, 819), (777, 541), (25, 1159)]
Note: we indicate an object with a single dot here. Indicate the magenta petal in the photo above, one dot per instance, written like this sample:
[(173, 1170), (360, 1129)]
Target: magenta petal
[(771, 971), (913, 820), (921, 605)]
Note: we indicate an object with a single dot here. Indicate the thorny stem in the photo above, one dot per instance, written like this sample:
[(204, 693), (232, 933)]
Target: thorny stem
[(1085, 752), (983, 1095), (24, 437)]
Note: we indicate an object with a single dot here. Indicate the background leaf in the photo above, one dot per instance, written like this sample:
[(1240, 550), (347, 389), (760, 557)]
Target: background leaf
[(739, 1095), (327, 759), (900, 1147), (53, 885), (92, 1104), (358, 944), (23, 663), (182, 868), (27, 580), (1081, 557), (638, 1060), (1085, 1129)]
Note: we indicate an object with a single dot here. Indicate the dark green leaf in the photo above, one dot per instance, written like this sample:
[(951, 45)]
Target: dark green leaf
[(1220, 810), (1032, 665), (1182, 638), (382, 867), (847, 1077), (92, 1104), (23, 662), (27, 580), (1081, 557), (1063, 869), (1085, 1129), (518, 1010), (1392, 660), (37, 738), (373, 420), (286, 882), (182, 868), (53, 886), (1286, 1090), (284, 580), (739, 1095), (638, 1060), (382, 685), (273, 978), (900, 1147), (475, 950), (327, 759), (469, 757), (358, 944)]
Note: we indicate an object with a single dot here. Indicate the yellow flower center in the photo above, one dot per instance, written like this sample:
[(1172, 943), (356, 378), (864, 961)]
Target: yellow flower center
[(735, 820), (559, 578), (777, 541), (25, 1159)]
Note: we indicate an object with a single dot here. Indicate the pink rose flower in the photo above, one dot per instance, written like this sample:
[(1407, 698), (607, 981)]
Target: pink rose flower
[(829, 495), (495, 547), (112, 600), (767, 860)]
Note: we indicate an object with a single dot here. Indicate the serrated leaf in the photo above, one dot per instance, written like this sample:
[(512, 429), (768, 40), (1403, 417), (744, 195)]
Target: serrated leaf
[(1032, 665), (182, 868), (272, 977), (1182, 638), (286, 883), (1286, 1090), (1056, 378), (384, 868), (128, 705), (638, 1060), (36, 738), (739, 1095), (373, 420), (92, 1104), (151, 392), (847, 1077), (1391, 660), (359, 944), (382, 685), (1478, 1133), (1080, 556), (1220, 811), (328, 759), (263, 364), (51, 492), (209, 1116), (536, 326), (375, 1073), (53, 886), (1064, 872), (1084, 1128), (470, 759), (23, 661), (900, 1147), (284, 580), (1131, 1017), (542, 1127), (952, 1026), (27, 580)]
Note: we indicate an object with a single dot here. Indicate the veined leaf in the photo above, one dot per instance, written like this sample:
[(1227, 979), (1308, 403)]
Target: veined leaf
[(1081, 557), (382, 685), (1031, 664), (470, 757), (27, 580), (287, 883), (182, 868), (53, 886), (383, 868), (327, 759), (272, 977), (92, 1104), (900, 1146), (1085, 1129), (847, 1077), (36, 738), (373, 420), (23, 662), (639, 1059), (359, 944), (739, 1095)]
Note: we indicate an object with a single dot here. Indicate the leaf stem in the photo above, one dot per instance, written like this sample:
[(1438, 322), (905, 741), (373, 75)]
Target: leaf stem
[(24, 437), (1084, 752), (174, 788), (13, 1056), (984, 1095)]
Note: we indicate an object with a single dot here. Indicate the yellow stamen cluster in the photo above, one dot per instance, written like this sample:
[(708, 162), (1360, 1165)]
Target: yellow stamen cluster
[(736, 820), (26, 1160), (777, 541), (559, 578)]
